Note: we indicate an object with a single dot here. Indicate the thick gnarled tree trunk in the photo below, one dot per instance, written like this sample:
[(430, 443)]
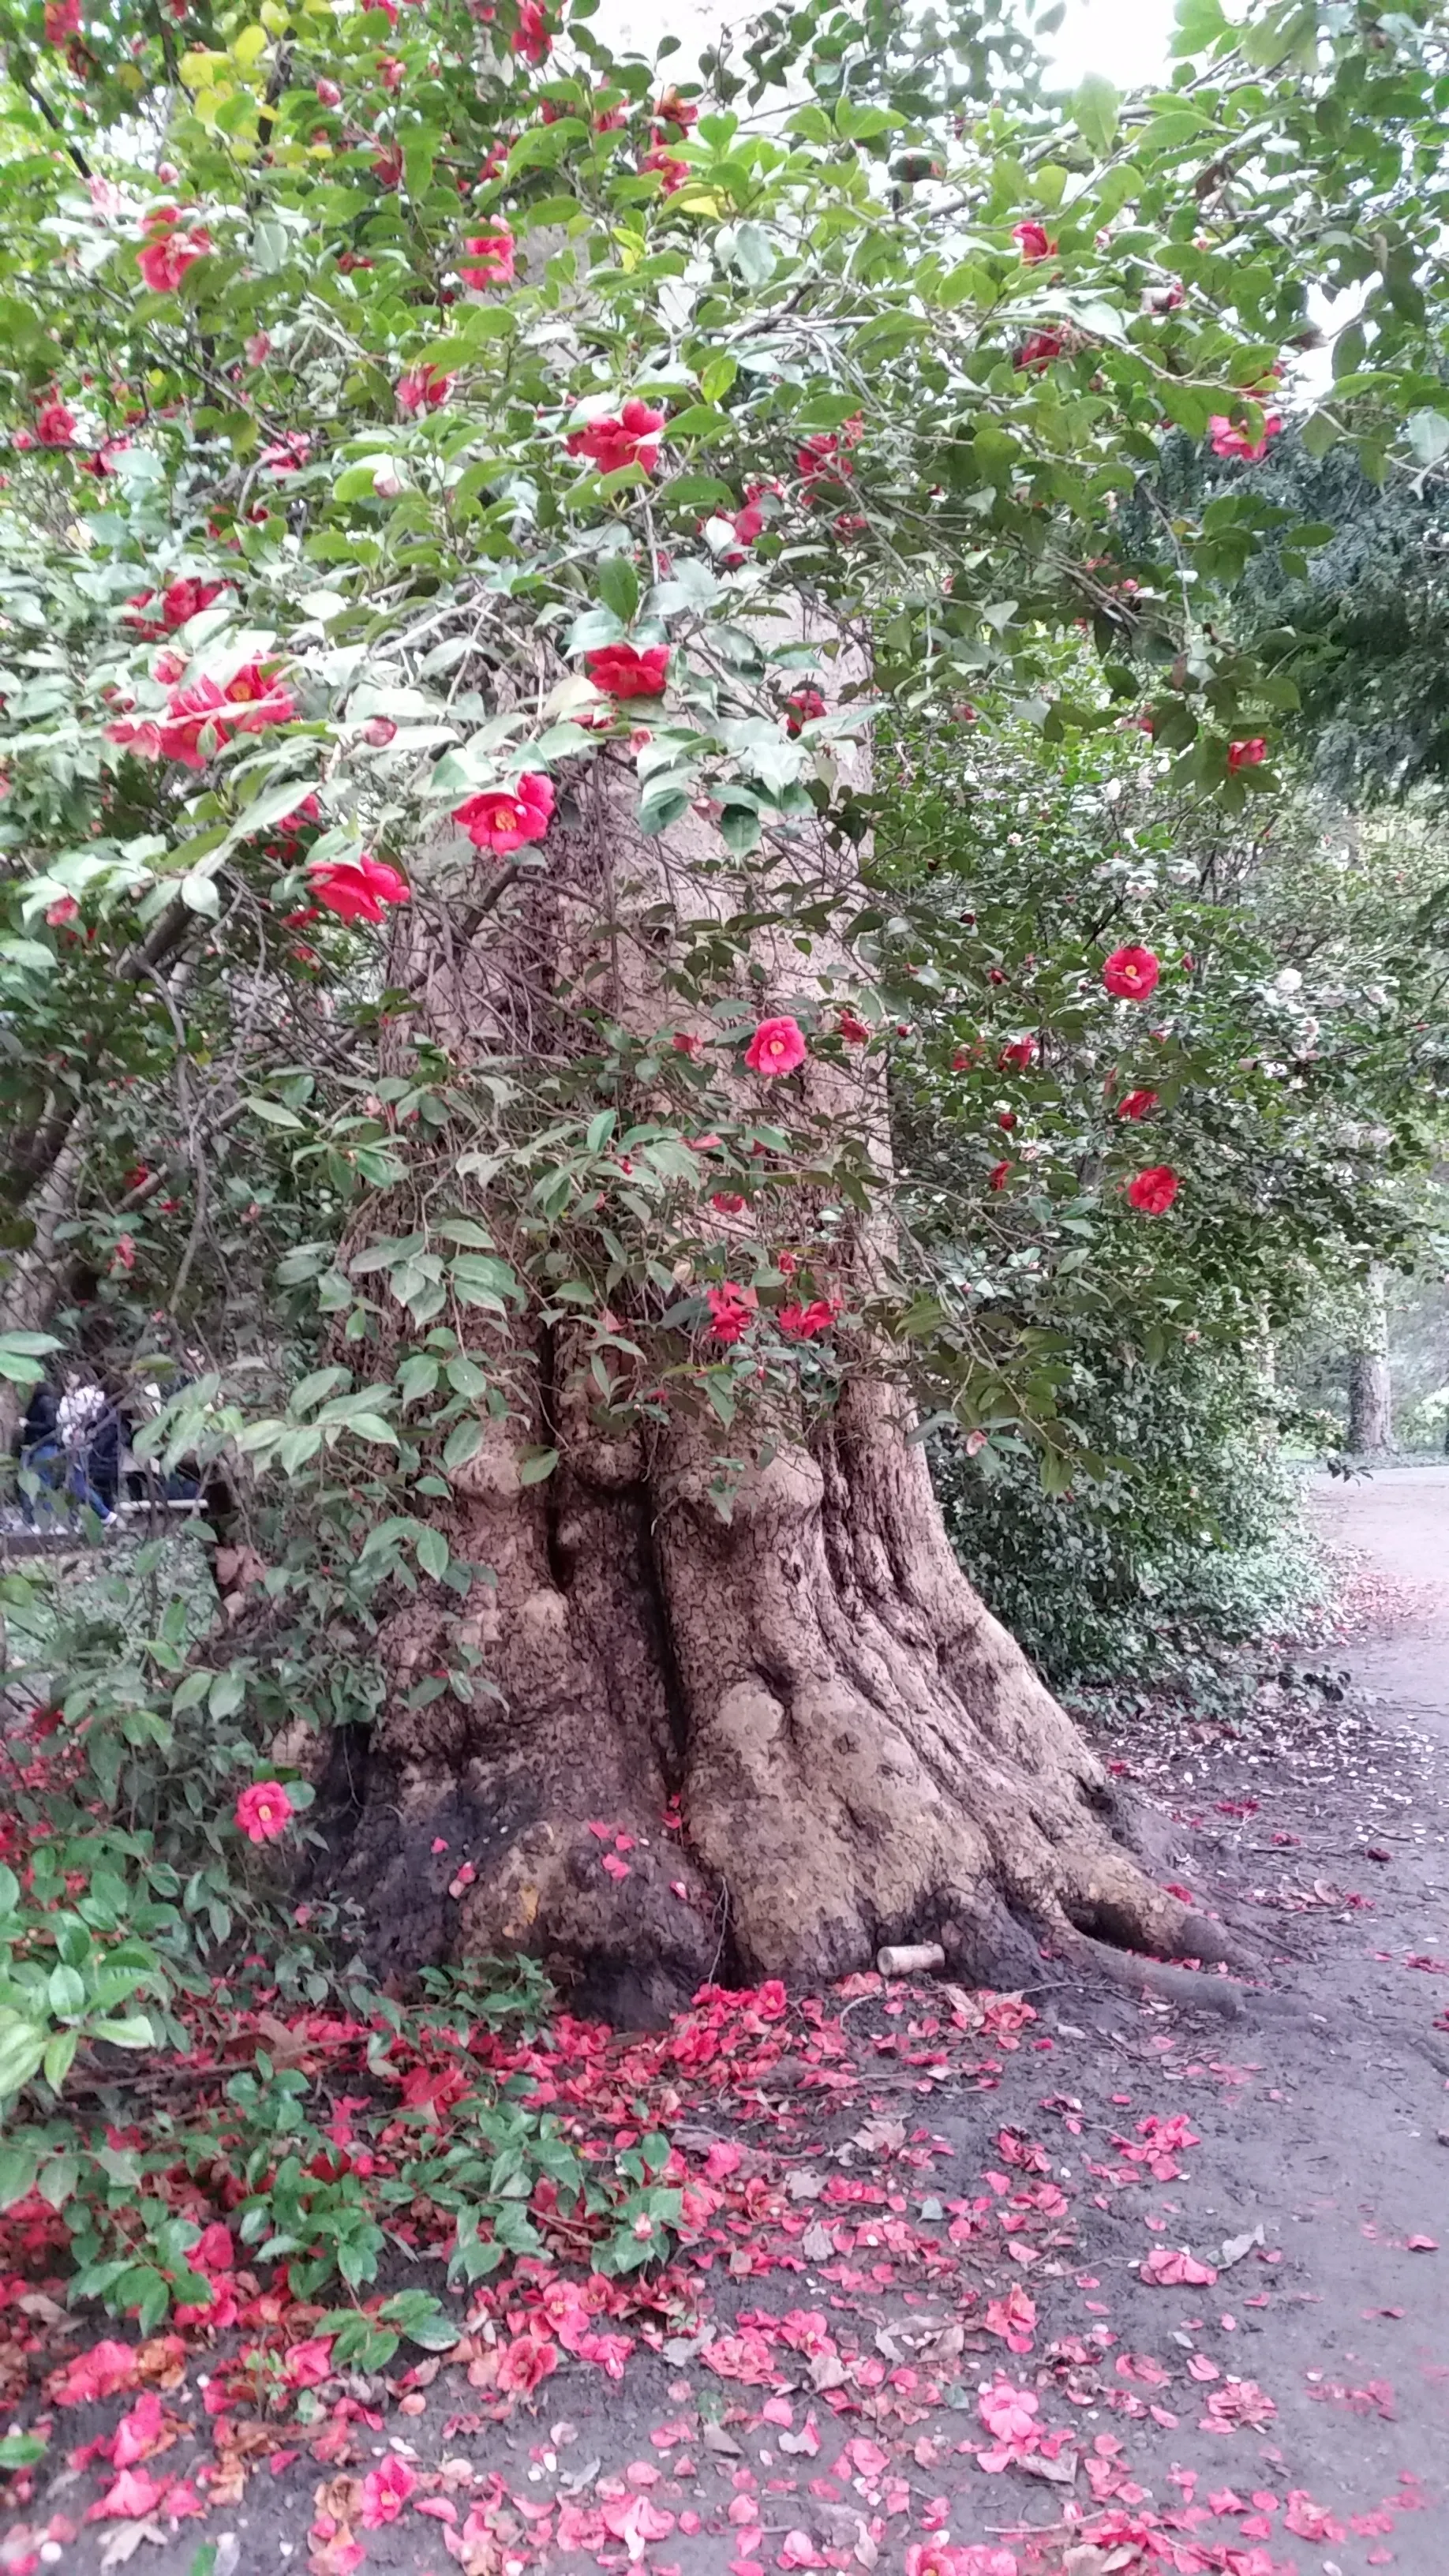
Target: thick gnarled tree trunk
[(708, 1748)]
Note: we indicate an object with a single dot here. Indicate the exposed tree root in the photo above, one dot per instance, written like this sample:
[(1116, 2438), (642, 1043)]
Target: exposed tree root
[(1193, 1991)]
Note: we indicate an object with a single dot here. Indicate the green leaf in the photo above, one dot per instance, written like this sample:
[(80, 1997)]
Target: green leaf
[(21, 2450), (134, 2032), (19, 2165), (535, 1464), (1095, 112), (432, 1552), (618, 588), (1428, 436)]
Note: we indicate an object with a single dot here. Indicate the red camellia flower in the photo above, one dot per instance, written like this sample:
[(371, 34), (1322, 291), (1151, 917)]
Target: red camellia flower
[(731, 1311), (1038, 349), (263, 1811), (1137, 1104), (505, 817), (630, 437), (54, 425), (165, 260), (489, 261), (999, 1175), (1246, 755), (1131, 973), (626, 673), (423, 389), (727, 1202), (1153, 1192), (387, 165), (672, 171), (531, 37), (824, 457), (802, 1323), (1032, 240), (62, 21), (804, 705), (185, 599), (356, 889), (671, 109), (853, 1029), (1230, 441), (249, 703), (1018, 1056), (776, 1047)]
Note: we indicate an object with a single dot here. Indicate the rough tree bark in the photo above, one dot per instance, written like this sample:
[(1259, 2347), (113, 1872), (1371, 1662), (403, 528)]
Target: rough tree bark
[(1370, 1389), (859, 1753)]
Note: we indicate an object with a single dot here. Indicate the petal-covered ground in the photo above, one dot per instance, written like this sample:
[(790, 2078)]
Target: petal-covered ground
[(1060, 2284)]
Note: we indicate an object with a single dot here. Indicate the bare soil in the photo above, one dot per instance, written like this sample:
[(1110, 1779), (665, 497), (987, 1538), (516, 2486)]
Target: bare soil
[(1309, 1814)]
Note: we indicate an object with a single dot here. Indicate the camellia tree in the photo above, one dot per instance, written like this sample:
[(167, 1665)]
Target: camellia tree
[(469, 500)]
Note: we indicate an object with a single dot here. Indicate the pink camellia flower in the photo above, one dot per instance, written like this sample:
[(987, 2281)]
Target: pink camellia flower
[(1033, 240), (423, 389), (626, 673), (1246, 755), (357, 889), (1009, 2415), (802, 1323), (54, 424), (164, 261), (308, 2364), (286, 455), (104, 2371), (1136, 1104), (62, 21), (503, 818), (258, 348), (610, 120), (1229, 440), (389, 71), (731, 1311), (853, 1029), (490, 259), (250, 702), (384, 2493), (1152, 1192), (387, 164), (671, 171), (976, 2558), (263, 1811), (531, 37), (329, 93), (378, 732), (805, 706), (777, 1047), (1131, 973), (630, 437), (1038, 349), (63, 911)]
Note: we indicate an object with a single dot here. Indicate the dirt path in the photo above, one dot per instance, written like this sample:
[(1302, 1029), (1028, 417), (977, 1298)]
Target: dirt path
[(1400, 1521), (1081, 2285)]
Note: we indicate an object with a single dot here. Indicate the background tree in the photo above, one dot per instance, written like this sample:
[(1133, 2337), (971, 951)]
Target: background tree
[(464, 485)]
